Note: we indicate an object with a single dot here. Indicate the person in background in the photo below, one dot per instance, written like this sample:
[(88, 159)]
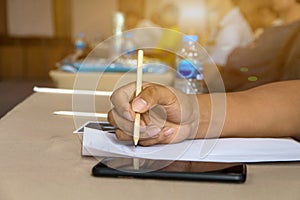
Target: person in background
[(267, 17), (272, 110), (289, 10), (274, 56), (166, 17), (259, 13), (132, 18), (144, 34), (232, 31), (152, 21)]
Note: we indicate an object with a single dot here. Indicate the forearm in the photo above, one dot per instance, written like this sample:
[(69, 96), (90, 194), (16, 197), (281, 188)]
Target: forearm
[(271, 110)]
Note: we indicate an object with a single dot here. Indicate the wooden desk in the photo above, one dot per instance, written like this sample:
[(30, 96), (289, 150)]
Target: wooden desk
[(40, 159)]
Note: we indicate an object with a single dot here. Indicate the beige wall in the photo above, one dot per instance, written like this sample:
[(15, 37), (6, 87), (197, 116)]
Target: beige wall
[(30, 18), (27, 18), (93, 17)]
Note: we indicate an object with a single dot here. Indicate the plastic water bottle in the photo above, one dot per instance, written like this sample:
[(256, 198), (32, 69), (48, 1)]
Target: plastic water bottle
[(128, 44), (128, 49), (189, 78), (79, 46), (118, 25)]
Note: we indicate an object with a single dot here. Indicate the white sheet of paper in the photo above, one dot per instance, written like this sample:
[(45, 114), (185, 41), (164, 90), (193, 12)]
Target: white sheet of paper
[(100, 143)]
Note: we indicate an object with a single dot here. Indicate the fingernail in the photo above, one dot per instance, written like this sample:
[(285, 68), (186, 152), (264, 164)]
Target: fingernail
[(127, 115), (139, 104), (153, 131), (168, 131)]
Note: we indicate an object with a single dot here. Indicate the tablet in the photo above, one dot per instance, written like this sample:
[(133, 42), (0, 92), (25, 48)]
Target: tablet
[(177, 170)]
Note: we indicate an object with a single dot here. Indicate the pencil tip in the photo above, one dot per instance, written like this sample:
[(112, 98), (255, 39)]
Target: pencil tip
[(135, 142), (135, 146)]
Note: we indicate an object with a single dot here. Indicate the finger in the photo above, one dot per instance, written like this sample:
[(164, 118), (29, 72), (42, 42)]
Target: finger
[(146, 118), (157, 116), (120, 100), (152, 141), (123, 136), (171, 133), (151, 95), (176, 133), (162, 138), (147, 143), (119, 121), (165, 136), (150, 132)]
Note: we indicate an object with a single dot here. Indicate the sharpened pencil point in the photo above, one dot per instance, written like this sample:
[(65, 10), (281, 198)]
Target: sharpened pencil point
[(137, 121), (136, 141)]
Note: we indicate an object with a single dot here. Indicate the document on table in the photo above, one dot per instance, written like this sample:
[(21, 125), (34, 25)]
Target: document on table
[(247, 150)]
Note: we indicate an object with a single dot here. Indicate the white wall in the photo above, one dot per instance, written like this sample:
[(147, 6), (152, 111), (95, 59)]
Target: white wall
[(30, 18), (93, 17)]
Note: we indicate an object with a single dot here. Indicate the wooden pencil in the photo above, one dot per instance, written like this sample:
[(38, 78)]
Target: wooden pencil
[(139, 81)]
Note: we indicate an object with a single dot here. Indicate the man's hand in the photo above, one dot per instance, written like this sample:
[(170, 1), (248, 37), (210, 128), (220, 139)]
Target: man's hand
[(168, 115)]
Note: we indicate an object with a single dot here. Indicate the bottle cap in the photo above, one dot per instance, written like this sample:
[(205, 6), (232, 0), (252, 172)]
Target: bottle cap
[(80, 35), (118, 18), (190, 38), (128, 35)]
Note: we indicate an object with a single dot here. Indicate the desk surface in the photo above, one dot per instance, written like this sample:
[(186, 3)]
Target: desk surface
[(40, 159)]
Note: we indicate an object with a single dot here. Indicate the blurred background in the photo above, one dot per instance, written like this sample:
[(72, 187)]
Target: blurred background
[(36, 34), (40, 40)]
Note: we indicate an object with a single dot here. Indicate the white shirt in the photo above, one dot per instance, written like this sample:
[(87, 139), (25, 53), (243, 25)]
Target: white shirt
[(233, 31), (147, 35)]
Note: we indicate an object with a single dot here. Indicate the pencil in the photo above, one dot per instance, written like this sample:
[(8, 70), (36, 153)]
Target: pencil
[(139, 80), (81, 114), (70, 91)]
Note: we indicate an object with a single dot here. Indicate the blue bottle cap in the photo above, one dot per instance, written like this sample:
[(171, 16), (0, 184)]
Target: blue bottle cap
[(128, 35), (190, 38), (80, 34)]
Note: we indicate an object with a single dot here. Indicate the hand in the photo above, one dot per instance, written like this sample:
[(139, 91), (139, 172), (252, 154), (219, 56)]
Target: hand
[(167, 115)]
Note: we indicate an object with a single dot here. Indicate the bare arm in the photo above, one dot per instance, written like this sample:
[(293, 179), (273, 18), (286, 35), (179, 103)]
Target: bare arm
[(271, 110)]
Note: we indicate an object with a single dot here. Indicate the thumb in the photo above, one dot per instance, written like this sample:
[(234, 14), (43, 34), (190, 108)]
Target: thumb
[(151, 95)]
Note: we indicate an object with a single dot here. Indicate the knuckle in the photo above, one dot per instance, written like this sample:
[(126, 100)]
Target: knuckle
[(111, 119), (122, 136), (151, 90), (114, 96), (119, 134), (144, 143), (109, 116)]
